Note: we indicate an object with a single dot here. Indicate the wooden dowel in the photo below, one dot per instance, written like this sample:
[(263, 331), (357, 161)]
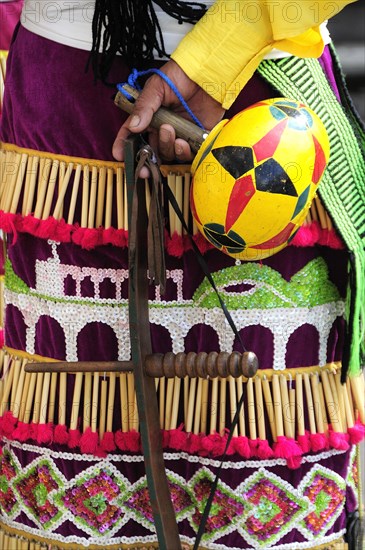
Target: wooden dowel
[(341, 400), (292, 407), (74, 195), (309, 398), (132, 404), (204, 413), (251, 410), (111, 400), (214, 407), (19, 183), (103, 407), (85, 196), (38, 397), (278, 406), (101, 196), (50, 191), (95, 402), (289, 432), (232, 401), (198, 406), (61, 177), (175, 404), (52, 397), (32, 186), (30, 398), (317, 403), (191, 404), (16, 405), (109, 199), (168, 405), (348, 409), (62, 192), (241, 417), (92, 198), (162, 401), (62, 399), (123, 401), (9, 375), (269, 407), (24, 396), (120, 194), (336, 400), (16, 368), (222, 405), (125, 202), (41, 195), (76, 401), (331, 406), (44, 398), (323, 407), (87, 400), (260, 408), (8, 191)]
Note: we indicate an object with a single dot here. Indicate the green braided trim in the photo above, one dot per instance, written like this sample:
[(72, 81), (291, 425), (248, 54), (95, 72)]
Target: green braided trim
[(342, 187)]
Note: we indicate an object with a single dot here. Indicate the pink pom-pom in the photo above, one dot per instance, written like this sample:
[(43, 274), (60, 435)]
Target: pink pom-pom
[(45, 433), (293, 462), (7, 424), (264, 450), (133, 441), (175, 246), (89, 441), (22, 432), (356, 433), (61, 434), (194, 443), (242, 446), (219, 445), (304, 442), (304, 237), (318, 442), (74, 439), (34, 430), (286, 447), (339, 441), (1, 337), (47, 228), (120, 440), (178, 439), (107, 443)]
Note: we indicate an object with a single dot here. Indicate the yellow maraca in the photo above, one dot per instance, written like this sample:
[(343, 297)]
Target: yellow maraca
[(255, 175)]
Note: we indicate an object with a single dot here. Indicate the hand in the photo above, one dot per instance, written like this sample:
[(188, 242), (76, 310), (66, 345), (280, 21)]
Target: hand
[(156, 93)]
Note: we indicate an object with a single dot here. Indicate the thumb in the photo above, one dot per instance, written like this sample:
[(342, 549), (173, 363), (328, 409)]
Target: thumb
[(149, 101)]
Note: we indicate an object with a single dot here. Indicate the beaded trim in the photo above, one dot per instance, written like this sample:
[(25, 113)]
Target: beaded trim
[(271, 302), (261, 509)]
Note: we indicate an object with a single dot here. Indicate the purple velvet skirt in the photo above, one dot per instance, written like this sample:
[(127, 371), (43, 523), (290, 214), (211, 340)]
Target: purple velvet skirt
[(67, 302)]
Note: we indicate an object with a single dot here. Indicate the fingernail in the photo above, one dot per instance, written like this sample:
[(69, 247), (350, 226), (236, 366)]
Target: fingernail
[(135, 120), (178, 151)]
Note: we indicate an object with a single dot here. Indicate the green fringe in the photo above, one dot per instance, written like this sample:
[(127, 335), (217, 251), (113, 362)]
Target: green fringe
[(342, 188)]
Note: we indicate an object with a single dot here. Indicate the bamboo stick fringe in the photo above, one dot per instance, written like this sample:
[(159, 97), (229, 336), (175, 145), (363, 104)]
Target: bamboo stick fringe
[(83, 191), (285, 405), (3, 57)]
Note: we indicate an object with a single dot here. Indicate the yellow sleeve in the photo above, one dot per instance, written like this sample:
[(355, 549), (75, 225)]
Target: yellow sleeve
[(225, 47)]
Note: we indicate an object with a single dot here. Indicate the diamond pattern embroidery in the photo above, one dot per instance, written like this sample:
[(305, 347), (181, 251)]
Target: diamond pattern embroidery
[(34, 486), (326, 490), (226, 509), (8, 502), (275, 509), (91, 500), (139, 501)]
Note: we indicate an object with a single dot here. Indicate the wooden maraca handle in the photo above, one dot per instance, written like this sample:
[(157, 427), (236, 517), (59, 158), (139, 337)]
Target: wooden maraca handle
[(184, 129)]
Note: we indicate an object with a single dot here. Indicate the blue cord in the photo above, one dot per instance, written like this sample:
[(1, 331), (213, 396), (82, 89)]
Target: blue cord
[(133, 81)]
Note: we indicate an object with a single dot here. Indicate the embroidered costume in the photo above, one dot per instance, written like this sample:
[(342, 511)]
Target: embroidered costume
[(71, 470)]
